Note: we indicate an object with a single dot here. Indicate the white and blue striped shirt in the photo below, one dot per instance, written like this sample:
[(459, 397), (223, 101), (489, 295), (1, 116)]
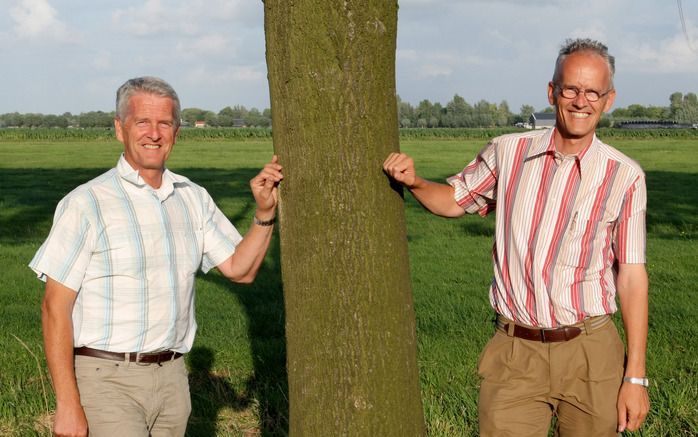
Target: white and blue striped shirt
[(132, 252)]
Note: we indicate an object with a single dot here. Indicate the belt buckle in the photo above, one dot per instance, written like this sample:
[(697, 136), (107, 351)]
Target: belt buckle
[(138, 359), (542, 335)]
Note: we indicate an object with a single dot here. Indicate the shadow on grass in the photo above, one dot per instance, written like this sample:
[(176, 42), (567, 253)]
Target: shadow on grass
[(209, 393), (264, 307), (672, 205)]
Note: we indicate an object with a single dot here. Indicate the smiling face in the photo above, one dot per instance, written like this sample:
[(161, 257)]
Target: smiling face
[(148, 134), (576, 118)]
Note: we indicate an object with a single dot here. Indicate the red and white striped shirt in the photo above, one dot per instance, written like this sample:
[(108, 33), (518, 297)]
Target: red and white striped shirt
[(562, 224)]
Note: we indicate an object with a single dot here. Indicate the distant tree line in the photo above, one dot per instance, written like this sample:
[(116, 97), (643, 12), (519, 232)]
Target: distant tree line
[(237, 116), (85, 120), (683, 108), (457, 113), (483, 114)]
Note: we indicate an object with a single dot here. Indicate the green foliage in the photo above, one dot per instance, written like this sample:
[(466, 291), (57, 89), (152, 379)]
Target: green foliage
[(465, 133), (238, 365), (238, 134), (55, 134), (608, 133), (222, 133), (250, 133), (96, 134)]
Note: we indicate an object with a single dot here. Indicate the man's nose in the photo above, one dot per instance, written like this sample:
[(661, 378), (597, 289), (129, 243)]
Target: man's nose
[(580, 99), (154, 132)]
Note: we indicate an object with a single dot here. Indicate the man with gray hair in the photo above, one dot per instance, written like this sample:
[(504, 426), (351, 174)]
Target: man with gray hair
[(570, 235), (119, 265)]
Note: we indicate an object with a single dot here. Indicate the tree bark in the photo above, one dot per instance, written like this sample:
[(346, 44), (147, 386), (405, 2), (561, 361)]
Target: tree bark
[(350, 328)]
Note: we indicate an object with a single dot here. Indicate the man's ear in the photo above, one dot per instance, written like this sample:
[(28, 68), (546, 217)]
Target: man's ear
[(117, 129), (551, 93), (609, 100)]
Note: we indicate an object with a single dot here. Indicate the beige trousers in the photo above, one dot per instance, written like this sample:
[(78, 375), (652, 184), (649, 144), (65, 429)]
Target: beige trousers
[(524, 383), (134, 400)]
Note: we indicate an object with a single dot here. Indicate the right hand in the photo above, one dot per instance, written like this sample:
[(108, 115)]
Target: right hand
[(70, 421), (400, 167)]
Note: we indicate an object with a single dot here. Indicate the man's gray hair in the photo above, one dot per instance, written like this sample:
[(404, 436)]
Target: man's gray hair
[(583, 45), (148, 85)]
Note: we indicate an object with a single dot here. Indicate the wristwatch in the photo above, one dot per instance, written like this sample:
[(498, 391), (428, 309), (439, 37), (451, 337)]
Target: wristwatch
[(639, 381), (269, 222)]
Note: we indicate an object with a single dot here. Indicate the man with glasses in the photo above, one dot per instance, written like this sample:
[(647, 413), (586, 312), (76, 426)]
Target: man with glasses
[(570, 235)]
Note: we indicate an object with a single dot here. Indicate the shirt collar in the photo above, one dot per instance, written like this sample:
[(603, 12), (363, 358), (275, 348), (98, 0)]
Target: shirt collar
[(129, 174), (545, 145), (542, 145)]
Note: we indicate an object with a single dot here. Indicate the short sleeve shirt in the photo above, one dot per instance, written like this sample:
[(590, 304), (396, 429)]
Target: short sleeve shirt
[(131, 253), (562, 223)]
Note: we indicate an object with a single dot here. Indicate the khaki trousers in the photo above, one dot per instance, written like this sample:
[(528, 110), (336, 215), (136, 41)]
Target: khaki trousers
[(524, 383), (123, 398)]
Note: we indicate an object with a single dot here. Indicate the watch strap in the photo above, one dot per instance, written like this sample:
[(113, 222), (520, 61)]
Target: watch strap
[(639, 381), (264, 222)]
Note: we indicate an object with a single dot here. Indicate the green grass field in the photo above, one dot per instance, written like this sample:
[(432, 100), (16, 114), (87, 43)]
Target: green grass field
[(237, 366)]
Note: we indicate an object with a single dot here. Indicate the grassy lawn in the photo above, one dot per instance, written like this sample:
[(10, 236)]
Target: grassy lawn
[(237, 366)]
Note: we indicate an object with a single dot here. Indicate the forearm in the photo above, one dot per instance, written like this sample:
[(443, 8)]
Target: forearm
[(633, 293), (58, 344), (437, 198), (633, 400), (249, 254)]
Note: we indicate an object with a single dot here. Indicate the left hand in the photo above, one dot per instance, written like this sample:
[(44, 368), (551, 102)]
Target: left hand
[(265, 188), (633, 406)]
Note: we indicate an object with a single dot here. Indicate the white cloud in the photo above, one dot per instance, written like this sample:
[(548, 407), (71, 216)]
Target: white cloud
[(183, 17), (38, 20), (150, 18), (407, 55), (227, 75), (593, 29), (425, 64), (672, 54), (102, 61), (210, 44), (428, 71)]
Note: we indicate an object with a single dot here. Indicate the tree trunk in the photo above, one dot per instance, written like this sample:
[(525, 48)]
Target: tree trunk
[(352, 367)]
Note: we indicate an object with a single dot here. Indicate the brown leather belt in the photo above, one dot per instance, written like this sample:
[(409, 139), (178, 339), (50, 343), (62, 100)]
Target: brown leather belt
[(136, 357), (551, 335)]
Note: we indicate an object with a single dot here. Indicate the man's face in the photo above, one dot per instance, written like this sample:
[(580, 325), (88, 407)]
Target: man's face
[(148, 132), (577, 117)]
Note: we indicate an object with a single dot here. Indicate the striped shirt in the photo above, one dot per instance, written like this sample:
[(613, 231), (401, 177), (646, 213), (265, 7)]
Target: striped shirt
[(562, 223), (131, 252)]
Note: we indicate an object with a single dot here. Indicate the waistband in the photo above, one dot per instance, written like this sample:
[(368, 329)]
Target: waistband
[(135, 357), (551, 335)]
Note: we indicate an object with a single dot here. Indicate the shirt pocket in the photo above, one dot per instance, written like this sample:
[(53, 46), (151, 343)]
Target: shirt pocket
[(582, 242), (188, 243)]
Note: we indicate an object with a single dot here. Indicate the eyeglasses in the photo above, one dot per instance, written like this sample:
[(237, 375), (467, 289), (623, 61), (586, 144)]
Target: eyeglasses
[(571, 92)]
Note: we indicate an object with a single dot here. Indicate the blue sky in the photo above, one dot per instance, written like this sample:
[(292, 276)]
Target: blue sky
[(71, 55)]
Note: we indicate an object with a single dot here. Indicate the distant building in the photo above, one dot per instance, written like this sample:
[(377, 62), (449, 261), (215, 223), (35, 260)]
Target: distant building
[(239, 122), (199, 123), (650, 124), (542, 120)]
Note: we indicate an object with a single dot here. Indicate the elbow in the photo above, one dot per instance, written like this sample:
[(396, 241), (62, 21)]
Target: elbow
[(455, 211), (243, 279)]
